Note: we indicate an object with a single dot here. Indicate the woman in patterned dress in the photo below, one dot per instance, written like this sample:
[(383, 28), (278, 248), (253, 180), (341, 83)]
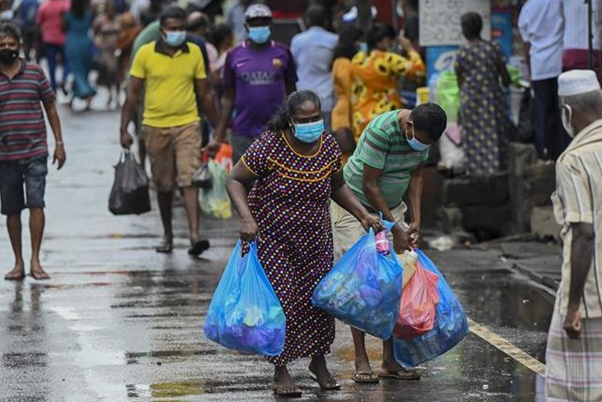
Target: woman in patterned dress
[(483, 110), (293, 170), (376, 73)]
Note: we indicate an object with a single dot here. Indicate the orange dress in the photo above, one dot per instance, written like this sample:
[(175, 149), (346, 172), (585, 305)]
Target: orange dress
[(374, 89), (342, 78)]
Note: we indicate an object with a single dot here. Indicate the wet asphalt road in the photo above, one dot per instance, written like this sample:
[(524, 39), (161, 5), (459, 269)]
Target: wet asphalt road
[(118, 322)]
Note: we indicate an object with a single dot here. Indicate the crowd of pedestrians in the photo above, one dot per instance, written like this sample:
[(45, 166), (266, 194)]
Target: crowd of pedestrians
[(321, 140)]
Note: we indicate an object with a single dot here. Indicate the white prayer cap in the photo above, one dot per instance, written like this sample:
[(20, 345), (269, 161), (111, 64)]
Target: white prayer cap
[(576, 82)]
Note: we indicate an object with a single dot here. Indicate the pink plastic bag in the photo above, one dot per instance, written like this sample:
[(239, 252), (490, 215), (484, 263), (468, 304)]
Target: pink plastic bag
[(418, 305)]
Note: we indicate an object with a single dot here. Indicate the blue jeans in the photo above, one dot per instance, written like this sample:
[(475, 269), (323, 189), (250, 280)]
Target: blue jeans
[(23, 174), (51, 51)]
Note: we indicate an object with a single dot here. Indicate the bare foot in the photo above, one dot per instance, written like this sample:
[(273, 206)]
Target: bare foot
[(319, 372), (16, 274), (284, 384), (37, 272)]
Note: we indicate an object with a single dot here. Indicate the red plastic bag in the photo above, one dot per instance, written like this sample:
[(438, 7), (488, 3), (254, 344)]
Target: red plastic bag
[(418, 305)]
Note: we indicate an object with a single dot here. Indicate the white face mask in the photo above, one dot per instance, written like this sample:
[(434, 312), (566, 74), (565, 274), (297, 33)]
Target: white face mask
[(566, 115)]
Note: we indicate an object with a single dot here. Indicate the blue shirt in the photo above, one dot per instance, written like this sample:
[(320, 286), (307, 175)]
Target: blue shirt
[(313, 51)]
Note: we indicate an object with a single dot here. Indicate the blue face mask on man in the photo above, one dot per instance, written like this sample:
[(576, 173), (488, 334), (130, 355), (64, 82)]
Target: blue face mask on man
[(260, 35), (309, 132), (416, 144), (175, 38)]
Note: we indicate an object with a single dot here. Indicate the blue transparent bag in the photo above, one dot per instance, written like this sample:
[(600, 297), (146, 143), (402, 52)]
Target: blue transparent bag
[(451, 326), (245, 313), (364, 288)]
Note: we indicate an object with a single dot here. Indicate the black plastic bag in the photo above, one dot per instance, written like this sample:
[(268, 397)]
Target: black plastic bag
[(129, 194), (525, 130)]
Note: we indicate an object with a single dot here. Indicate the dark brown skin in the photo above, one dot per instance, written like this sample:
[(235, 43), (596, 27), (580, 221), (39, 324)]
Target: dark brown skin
[(582, 250), (238, 185), (201, 88), (401, 240), (241, 179), (36, 215)]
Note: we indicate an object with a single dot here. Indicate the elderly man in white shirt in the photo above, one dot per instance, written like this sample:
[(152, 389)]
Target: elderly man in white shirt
[(541, 24)]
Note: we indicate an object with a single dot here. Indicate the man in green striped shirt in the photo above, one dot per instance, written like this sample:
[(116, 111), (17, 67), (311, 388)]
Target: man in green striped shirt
[(384, 167)]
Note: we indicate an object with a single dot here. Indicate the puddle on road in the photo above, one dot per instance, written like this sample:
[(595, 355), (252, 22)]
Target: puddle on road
[(185, 389), (171, 355), (511, 301)]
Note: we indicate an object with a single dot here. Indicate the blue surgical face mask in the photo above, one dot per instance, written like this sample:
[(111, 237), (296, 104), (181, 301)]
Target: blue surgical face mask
[(175, 38), (260, 35), (363, 47), (415, 143), (309, 132)]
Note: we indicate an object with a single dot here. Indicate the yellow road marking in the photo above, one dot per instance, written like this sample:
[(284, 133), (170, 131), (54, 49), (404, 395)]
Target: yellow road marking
[(507, 347)]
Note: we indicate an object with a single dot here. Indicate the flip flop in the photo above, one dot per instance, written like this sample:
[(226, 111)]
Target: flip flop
[(365, 378), (198, 246), (407, 375), (39, 276), (287, 392), (331, 381), (14, 276)]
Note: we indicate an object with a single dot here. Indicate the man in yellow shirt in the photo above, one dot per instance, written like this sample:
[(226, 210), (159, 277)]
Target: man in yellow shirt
[(172, 72)]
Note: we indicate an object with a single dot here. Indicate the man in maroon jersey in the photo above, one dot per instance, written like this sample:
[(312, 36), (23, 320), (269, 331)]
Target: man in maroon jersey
[(24, 88)]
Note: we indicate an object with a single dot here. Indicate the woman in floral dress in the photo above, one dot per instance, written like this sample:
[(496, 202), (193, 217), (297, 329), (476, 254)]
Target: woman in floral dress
[(486, 125), (376, 73), (293, 170)]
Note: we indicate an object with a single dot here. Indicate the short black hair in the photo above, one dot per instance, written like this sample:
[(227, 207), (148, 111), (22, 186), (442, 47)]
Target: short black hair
[(429, 119), (172, 12), (219, 34), (412, 3), (202, 21), (315, 16), (472, 24), (11, 30), (379, 32)]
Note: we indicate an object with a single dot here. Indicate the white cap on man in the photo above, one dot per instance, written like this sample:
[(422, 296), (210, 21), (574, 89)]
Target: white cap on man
[(576, 82), (258, 11)]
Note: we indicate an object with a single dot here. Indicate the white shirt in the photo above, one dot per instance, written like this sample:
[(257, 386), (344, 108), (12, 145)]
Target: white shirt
[(313, 51), (541, 24), (576, 31)]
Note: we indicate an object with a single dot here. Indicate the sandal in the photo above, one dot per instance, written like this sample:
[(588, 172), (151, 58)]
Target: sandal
[(39, 275), (198, 246), (287, 391), (332, 384), (15, 275), (402, 374), (166, 246), (365, 378)]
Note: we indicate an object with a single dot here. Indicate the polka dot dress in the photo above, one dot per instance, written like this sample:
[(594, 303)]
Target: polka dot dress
[(290, 203)]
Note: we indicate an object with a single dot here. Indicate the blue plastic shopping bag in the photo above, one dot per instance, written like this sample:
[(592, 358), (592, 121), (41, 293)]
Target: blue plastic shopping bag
[(364, 288), (245, 313), (450, 327)]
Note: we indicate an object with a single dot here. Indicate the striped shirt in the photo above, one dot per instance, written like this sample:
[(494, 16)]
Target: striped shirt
[(383, 145), (578, 199), (22, 126)]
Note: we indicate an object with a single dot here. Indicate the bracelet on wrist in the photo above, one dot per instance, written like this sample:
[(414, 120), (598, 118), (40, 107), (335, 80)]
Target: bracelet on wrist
[(60, 143)]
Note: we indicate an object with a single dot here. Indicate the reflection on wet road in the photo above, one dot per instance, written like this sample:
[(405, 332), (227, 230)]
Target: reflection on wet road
[(117, 322)]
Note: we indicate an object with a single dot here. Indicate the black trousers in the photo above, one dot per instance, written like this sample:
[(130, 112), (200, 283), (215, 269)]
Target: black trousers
[(550, 138)]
